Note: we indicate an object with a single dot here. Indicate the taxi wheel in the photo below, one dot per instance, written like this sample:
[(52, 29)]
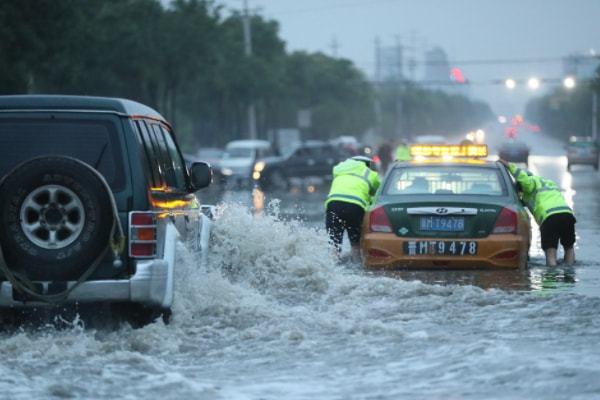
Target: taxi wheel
[(56, 215)]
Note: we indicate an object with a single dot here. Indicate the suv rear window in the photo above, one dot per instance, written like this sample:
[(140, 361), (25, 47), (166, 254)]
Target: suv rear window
[(94, 142)]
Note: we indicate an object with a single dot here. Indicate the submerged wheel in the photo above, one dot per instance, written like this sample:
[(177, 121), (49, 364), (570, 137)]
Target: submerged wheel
[(57, 217)]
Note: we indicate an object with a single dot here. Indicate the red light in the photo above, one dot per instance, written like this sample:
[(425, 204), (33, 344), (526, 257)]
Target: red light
[(142, 219), (457, 75), (144, 233), (517, 120), (506, 222), (142, 249), (379, 221), (510, 132)]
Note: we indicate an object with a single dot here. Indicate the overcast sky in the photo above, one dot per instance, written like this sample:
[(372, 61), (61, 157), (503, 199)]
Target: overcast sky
[(466, 29)]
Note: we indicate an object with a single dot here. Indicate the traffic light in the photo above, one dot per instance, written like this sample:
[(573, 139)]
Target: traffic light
[(457, 75)]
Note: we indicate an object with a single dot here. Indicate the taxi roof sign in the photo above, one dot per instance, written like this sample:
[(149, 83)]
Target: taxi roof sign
[(449, 150)]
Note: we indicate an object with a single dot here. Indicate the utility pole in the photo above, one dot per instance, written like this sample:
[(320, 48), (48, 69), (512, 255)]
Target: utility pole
[(594, 114), (377, 59), (378, 88), (335, 45), (248, 53)]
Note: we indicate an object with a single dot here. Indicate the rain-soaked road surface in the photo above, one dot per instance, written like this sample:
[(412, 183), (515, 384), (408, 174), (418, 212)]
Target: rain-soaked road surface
[(274, 317)]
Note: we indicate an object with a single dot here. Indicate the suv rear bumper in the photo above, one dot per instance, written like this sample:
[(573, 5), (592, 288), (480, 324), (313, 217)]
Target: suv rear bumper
[(151, 285)]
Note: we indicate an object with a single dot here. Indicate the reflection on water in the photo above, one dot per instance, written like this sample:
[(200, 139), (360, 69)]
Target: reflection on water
[(258, 201), (537, 279), (513, 280), (552, 279)]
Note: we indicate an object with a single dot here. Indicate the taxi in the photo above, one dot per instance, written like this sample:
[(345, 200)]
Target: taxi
[(449, 207)]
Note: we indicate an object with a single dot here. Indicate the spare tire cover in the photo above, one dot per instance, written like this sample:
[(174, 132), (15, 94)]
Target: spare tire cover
[(56, 217)]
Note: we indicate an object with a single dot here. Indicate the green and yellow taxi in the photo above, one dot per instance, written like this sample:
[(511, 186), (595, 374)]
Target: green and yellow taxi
[(449, 207)]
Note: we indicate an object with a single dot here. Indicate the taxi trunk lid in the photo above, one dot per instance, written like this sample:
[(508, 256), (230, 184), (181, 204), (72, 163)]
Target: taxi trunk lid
[(443, 218)]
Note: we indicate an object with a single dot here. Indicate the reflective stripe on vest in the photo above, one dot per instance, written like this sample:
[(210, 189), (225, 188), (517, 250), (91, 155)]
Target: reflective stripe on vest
[(347, 197), (563, 208), (544, 188), (365, 177)]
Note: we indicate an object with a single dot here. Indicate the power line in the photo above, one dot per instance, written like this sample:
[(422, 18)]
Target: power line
[(352, 4), (499, 61)]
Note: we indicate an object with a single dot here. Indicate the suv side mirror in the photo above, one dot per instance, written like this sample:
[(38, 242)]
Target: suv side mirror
[(200, 175)]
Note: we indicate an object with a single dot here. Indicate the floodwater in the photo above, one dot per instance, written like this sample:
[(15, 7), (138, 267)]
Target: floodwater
[(273, 316)]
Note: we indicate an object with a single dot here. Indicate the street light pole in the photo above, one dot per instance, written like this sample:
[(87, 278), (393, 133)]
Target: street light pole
[(594, 115), (248, 53)]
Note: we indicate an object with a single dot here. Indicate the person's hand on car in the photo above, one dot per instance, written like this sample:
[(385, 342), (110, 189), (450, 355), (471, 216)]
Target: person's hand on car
[(503, 162)]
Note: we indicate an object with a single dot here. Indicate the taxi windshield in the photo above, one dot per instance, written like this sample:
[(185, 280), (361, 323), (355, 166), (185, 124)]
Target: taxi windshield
[(458, 180)]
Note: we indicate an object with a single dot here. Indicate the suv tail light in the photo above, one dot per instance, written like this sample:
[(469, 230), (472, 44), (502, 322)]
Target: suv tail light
[(379, 221), (142, 234), (506, 222)]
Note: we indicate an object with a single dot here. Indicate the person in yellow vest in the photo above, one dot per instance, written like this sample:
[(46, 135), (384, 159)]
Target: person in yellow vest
[(403, 152), (551, 212), (352, 190)]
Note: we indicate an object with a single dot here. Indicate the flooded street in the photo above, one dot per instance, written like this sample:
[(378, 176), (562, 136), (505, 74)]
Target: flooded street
[(274, 317)]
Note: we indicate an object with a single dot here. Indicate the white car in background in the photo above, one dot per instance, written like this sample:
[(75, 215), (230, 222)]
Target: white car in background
[(239, 158)]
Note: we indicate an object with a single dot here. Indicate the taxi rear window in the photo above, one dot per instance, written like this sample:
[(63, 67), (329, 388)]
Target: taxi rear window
[(450, 180)]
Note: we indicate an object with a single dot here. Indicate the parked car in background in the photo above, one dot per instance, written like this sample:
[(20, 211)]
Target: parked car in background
[(582, 150), (240, 157), (514, 151), (94, 195), (311, 159)]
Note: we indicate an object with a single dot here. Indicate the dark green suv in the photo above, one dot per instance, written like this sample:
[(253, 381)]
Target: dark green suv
[(94, 195)]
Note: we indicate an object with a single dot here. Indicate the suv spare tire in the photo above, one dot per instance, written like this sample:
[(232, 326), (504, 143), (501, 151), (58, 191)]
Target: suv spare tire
[(56, 217)]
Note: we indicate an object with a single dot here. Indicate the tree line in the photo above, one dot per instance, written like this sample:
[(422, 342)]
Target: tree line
[(187, 60)]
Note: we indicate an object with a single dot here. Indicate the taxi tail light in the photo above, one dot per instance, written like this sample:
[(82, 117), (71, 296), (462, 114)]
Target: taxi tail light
[(142, 234), (506, 221), (379, 221)]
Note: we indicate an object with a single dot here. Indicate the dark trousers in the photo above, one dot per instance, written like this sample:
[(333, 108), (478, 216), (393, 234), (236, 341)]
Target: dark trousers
[(342, 217), (558, 227)]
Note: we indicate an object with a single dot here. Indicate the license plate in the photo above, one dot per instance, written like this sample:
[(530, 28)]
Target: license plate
[(442, 224), (440, 247)]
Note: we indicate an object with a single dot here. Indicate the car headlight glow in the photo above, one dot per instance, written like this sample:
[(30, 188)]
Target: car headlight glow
[(227, 171), (259, 166)]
